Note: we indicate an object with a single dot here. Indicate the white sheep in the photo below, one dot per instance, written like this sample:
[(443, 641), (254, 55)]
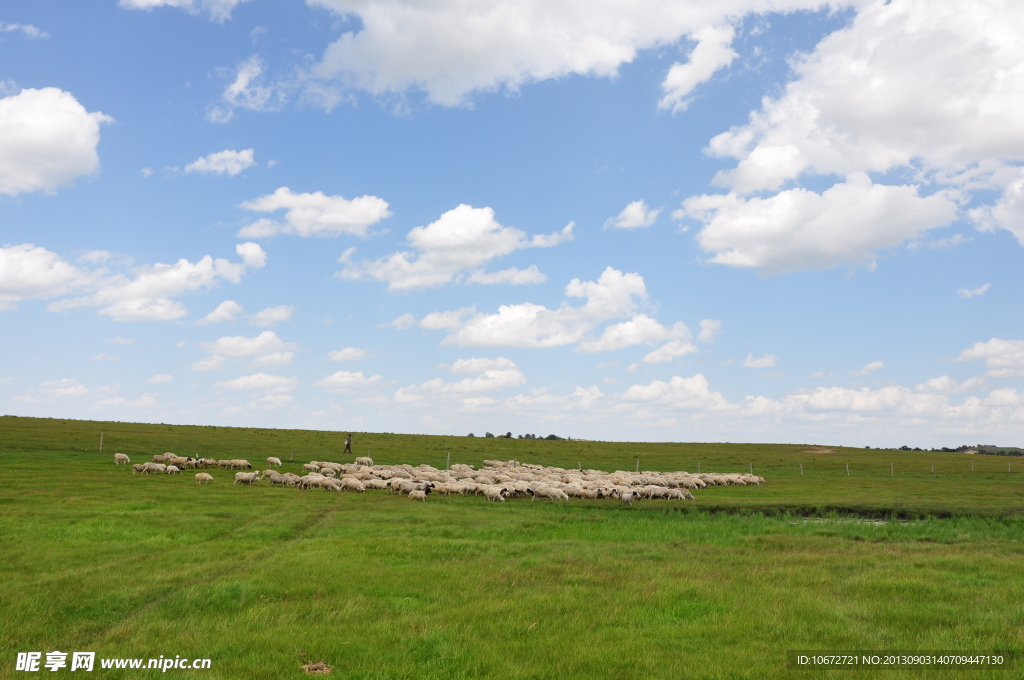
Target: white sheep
[(419, 495), (311, 467), (364, 460), (121, 459), (172, 470), (137, 468), (203, 478), (495, 494), (627, 498), (249, 478), (274, 462)]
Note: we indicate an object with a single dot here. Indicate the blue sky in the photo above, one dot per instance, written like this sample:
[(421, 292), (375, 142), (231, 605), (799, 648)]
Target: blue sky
[(786, 221)]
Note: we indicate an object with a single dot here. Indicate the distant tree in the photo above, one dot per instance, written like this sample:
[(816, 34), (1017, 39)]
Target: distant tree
[(470, 435), (489, 435), (508, 435)]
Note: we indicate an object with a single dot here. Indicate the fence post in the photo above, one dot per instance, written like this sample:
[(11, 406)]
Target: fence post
[(891, 470), (751, 468), (448, 465), (847, 469), (638, 466), (972, 467), (801, 469), (933, 466), (101, 442), (698, 468)]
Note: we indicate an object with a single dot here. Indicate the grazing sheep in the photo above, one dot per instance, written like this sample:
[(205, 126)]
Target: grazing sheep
[(137, 469), (224, 464), (495, 494), (627, 498), (121, 459), (172, 470), (249, 478), (364, 460), (419, 495), (203, 478), (274, 462), (311, 467), (162, 458), (149, 468), (353, 485)]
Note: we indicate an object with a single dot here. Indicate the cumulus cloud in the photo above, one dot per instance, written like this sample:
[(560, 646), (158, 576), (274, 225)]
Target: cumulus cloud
[(346, 380), (634, 215), (798, 229), (463, 240), (266, 349), (712, 52), (28, 30), (219, 10), (491, 375), (229, 310), (47, 140), (677, 393), (247, 91), (869, 368), (928, 90), (148, 294), (669, 351), (28, 271), (448, 49), (314, 214), (260, 382), (349, 354), (272, 315), (1004, 358), (118, 340), (974, 292), (613, 295), (709, 330), (54, 390), (225, 162), (161, 378), (946, 385), (766, 361), (641, 329)]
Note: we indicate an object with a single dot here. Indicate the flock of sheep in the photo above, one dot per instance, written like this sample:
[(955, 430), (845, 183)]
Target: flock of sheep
[(496, 481)]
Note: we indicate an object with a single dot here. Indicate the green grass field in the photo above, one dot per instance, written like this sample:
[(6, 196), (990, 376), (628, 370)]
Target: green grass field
[(263, 580)]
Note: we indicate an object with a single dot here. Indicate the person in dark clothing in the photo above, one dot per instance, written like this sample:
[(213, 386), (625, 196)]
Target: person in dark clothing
[(348, 444)]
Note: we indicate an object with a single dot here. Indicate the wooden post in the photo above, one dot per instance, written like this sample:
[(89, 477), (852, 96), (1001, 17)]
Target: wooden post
[(972, 467), (933, 466), (698, 468), (101, 442), (448, 465), (847, 469), (891, 470), (293, 456), (579, 465), (638, 466), (751, 468), (1007, 466), (801, 469)]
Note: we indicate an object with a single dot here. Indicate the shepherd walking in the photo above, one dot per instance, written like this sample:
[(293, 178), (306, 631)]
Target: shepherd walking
[(348, 444)]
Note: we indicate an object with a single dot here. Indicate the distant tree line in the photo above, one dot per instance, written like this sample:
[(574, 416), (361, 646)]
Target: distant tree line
[(508, 435)]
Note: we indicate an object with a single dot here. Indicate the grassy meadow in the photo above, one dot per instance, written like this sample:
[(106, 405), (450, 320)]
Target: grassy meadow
[(263, 580)]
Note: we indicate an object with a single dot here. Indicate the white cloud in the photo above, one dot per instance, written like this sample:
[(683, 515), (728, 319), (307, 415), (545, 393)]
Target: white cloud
[(103, 356), (401, 323), (766, 361), (272, 315), (346, 380), (146, 172), (638, 330), (266, 349), (229, 310), (64, 388), (160, 378), (494, 374), (669, 351), (218, 10), (1004, 358), (709, 330), (246, 91), (28, 271), (118, 340), (28, 30), (870, 368), (349, 354), (684, 393), (211, 363), (799, 229), (447, 49), (225, 162), (613, 295), (462, 240), (946, 385), (314, 214), (47, 139), (712, 52), (147, 296), (441, 320), (260, 382), (636, 214), (929, 89), (974, 292)]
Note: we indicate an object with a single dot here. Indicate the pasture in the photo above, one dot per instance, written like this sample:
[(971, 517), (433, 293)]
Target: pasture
[(262, 580)]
